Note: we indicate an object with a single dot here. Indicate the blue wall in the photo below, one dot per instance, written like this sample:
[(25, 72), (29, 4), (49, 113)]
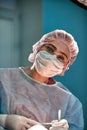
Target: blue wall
[(63, 14)]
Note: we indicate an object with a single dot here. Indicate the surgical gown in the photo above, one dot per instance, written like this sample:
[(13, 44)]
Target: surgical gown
[(22, 95)]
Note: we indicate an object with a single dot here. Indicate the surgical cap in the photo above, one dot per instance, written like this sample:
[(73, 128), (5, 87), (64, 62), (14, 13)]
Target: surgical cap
[(59, 35)]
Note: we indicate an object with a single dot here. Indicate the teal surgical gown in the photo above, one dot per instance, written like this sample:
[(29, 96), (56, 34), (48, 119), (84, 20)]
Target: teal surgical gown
[(22, 95)]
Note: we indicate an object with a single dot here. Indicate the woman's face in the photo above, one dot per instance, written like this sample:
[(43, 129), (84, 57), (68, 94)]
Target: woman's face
[(58, 48)]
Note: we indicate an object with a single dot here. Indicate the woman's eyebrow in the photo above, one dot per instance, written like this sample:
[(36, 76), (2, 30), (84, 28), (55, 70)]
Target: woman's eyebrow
[(52, 46), (64, 54)]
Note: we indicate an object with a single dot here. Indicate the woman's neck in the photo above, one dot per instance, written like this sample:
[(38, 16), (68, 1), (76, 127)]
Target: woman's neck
[(33, 73)]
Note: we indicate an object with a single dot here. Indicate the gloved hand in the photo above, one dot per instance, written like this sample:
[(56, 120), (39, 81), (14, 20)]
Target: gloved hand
[(17, 122), (38, 127), (59, 125)]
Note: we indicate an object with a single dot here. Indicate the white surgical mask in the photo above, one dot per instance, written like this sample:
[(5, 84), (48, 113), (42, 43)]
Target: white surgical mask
[(47, 64)]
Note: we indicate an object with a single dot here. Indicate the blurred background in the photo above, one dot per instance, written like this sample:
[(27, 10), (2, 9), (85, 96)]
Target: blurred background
[(23, 22)]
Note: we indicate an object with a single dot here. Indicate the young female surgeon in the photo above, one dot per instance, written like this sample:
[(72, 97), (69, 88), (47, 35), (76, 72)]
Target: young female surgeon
[(30, 97)]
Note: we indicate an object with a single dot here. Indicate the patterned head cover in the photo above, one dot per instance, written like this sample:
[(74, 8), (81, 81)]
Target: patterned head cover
[(59, 35)]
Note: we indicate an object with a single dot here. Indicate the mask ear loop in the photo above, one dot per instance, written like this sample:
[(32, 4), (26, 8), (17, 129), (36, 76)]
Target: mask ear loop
[(66, 67)]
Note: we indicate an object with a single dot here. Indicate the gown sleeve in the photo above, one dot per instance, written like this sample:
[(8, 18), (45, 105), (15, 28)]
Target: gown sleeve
[(74, 114)]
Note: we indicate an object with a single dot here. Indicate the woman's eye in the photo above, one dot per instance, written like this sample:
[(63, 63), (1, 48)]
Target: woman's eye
[(50, 50), (61, 58)]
